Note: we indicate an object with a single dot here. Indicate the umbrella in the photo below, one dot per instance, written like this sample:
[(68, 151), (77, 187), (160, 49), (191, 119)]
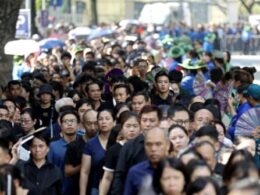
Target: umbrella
[(51, 43), (80, 31), (100, 32), (21, 47)]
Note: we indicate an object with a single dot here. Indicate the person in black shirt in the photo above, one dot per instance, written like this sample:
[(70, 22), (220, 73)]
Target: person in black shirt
[(163, 95), (133, 151), (45, 111), (41, 177), (130, 129)]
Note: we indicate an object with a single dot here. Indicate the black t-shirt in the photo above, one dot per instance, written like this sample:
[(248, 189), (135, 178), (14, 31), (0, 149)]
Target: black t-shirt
[(74, 152), (112, 155), (44, 115)]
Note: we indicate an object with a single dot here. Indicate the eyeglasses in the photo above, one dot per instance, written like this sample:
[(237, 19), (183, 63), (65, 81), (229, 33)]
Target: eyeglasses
[(70, 121), (181, 122)]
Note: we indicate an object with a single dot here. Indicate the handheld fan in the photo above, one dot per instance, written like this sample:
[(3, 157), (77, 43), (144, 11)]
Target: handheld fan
[(222, 93), (200, 86), (247, 122)]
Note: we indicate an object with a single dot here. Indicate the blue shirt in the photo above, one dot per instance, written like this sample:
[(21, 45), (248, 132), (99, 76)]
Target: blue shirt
[(135, 177), (56, 156), (94, 149), (240, 110), (187, 84)]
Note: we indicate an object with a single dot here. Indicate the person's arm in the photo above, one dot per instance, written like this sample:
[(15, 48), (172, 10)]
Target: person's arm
[(84, 173), (105, 182), (120, 172), (231, 106), (70, 170)]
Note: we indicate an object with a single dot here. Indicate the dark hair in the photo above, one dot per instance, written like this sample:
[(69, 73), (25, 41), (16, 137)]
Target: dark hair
[(175, 76), (20, 102), (65, 55), (208, 130), (171, 128), (29, 111), (194, 164), (13, 82), (63, 114), (6, 130), (194, 107), (121, 105), (151, 108), (139, 60), (173, 163), (9, 100), (190, 151), (4, 145), (57, 87), (174, 108), (112, 139), (73, 92), (213, 106), (243, 76), (89, 66), (246, 156), (94, 82), (41, 136), (128, 91), (4, 107), (240, 169), (161, 74), (141, 93), (124, 116), (218, 122), (200, 183), (83, 101), (107, 110), (250, 70), (216, 74), (118, 79), (138, 84)]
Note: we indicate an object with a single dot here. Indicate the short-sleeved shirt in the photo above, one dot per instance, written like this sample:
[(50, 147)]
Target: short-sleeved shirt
[(112, 155), (73, 157), (94, 149)]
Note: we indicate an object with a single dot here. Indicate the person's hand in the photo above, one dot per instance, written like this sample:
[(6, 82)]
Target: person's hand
[(231, 101), (256, 132), (15, 152)]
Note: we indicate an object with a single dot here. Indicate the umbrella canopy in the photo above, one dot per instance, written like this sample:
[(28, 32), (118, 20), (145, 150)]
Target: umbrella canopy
[(80, 31), (100, 32), (51, 43), (21, 47)]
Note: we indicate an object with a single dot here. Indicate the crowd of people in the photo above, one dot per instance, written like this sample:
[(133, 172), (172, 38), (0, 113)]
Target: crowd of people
[(130, 115)]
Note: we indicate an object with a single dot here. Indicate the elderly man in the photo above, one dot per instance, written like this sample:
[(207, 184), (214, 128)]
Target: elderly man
[(156, 144)]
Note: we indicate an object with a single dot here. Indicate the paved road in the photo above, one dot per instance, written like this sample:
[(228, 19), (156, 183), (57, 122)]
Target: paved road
[(242, 60)]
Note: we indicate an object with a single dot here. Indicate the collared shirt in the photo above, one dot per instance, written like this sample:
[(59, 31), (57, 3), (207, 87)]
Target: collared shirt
[(135, 177), (45, 180)]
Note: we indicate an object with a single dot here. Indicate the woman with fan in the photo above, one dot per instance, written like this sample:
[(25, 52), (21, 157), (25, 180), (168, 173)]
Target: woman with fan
[(244, 106)]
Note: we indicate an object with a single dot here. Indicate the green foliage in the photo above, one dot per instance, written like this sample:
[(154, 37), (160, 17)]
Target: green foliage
[(38, 4)]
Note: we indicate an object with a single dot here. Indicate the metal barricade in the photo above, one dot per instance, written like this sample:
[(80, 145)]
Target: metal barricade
[(235, 44)]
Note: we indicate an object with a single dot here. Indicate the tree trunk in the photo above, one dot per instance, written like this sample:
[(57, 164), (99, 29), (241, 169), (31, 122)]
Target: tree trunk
[(9, 11), (94, 18)]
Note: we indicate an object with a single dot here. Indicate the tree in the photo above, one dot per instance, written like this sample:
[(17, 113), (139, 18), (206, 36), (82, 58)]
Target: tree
[(9, 11), (249, 4)]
